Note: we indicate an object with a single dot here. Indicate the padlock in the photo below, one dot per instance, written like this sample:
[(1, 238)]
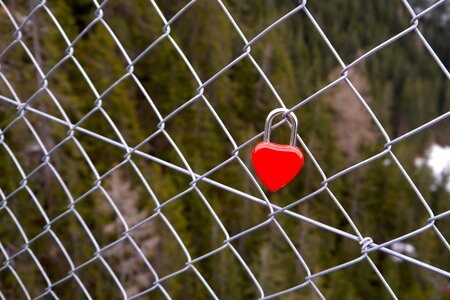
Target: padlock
[(277, 164)]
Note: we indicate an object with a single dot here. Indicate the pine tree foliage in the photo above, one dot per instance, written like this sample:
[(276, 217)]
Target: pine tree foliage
[(404, 86)]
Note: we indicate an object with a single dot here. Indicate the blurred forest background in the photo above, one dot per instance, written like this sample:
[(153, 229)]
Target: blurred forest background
[(402, 84)]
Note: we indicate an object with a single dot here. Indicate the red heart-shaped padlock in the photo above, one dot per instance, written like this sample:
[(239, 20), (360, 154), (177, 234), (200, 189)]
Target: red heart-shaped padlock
[(275, 164)]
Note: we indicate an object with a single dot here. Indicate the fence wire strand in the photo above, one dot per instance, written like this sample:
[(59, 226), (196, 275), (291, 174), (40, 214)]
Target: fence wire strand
[(25, 108)]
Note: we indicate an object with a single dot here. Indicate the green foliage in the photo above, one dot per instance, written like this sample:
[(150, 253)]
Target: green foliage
[(402, 83)]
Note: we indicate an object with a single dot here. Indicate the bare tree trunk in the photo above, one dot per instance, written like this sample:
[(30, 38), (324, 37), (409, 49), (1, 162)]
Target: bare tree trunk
[(266, 67), (42, 127)]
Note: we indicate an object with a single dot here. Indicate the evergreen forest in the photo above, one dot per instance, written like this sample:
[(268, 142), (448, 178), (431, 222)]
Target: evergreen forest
[(401, 83)]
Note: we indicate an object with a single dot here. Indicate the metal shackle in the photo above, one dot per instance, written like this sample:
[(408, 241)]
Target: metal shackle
[(292, 119)]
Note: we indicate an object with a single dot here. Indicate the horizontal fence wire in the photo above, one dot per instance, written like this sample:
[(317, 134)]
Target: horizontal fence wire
[(25, 109)]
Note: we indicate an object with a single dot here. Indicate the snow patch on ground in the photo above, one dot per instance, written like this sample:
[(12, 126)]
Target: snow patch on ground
[(438, 160), (403, 248)]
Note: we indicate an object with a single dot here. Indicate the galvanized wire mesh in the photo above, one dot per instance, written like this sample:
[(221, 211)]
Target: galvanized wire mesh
[(25, 108)]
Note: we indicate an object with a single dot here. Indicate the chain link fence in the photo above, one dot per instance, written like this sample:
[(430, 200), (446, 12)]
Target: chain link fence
[(25, 109)]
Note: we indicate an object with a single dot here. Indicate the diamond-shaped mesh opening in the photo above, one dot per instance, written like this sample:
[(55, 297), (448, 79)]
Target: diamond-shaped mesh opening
[(48, 191), (42, 37), (27, 210), (432, 26), (24, 146), (159, 87), (97, 277), (354, 137), (221, 44), (403, 274), (321, 207), (187, 281), (362, 14), (73, 24), (147, 237), (308, 238), (147, 26), (253, 19), (11, 183), (417, 155), (423, 245), (27, 268), (67, 83), (11, 287), (205, 132), (408, 91), (20, 71), (68, 229), (442, 224), (259, 249), (226, 204), (70, 285), (104, 155), (221, 177), (11, 237), (372, 286), (7, 109), (110, 227), (130, 267), (19, 11), (162, 241), (293, 49), (130, 112), (129, 194), (71, 165), (195, 224), (105, 65), (220, 279), (252, 89), (170, 9), (51, 256), (160, 170), (392, 185), (48, 104), (6, 32)]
